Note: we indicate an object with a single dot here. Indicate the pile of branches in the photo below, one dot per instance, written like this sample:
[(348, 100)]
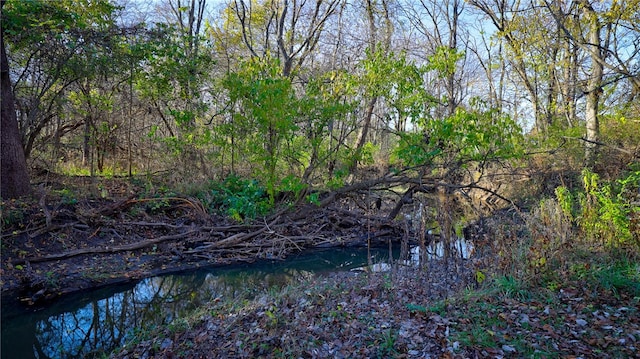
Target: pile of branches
[(184, 231)]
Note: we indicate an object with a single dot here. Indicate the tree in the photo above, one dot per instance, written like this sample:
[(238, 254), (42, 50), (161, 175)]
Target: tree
[(442, 32), (15, 178), (174, 84), (55, 45), (594, 85), (608, 34), (380, 31), (534, 47), (265, 102), (287, 29)]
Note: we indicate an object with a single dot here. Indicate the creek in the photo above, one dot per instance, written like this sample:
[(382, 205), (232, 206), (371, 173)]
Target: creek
[(91, 323)]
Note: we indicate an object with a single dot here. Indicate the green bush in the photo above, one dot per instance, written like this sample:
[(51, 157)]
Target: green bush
[(606, 210), (240, 199)]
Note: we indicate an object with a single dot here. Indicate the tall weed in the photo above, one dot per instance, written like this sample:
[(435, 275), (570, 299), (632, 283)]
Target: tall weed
[(551, 236)]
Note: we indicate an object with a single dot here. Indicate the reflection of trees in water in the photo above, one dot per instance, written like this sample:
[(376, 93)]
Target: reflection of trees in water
[(99, 324), (248, 284), (104, 324)]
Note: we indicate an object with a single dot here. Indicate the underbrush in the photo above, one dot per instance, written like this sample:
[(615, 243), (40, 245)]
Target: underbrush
[(235, 197), (581, 234), (566, 283), (569, 268)]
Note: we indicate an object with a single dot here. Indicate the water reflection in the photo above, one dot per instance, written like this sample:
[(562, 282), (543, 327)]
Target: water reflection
[(87, 324), (460, 248)]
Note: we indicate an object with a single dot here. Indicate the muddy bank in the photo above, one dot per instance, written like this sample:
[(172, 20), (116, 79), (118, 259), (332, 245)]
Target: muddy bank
[(73, 247)]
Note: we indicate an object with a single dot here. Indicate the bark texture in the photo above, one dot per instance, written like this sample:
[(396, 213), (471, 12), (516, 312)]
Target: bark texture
[(13, 166), (594, 88)]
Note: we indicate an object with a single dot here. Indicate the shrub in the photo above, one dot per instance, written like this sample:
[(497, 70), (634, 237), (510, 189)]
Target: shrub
[(606, 210), (240, 199)]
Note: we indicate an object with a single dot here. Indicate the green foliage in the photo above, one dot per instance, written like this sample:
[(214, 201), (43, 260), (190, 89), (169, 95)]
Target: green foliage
[(11, 216), (33, 21), (157, 199), (414, 149), (327, 100), (616, 275), (393, 77), (511, 287), (157, 204), (339, 178), (66, 195), (240, 199), (557, 139), (479, 336), (387, 344), (65, 41), (416, 308), (476, 135), (177, 68), (600, 218), (621, 130), (264, 104), (292, 184), (444, 60), (605, 210), (313, 198), (480, 277), (566, 201), (284, 137), (367, 154), (619, 277)]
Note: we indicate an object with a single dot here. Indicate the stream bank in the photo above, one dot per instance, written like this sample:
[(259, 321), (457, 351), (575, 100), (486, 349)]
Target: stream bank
[(96, 243), (95, 321)]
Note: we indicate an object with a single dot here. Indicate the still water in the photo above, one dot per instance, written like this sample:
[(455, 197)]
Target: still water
[(90, 323)]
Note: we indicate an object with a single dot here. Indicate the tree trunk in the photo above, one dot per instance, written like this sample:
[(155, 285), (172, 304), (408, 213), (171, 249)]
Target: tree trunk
[(15, 178), (569, 77), (364, 131), (373, 43), (594, 87)]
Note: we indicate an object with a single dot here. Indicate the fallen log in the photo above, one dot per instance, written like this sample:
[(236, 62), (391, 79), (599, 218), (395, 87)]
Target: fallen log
[(233, 240), (114, 249)]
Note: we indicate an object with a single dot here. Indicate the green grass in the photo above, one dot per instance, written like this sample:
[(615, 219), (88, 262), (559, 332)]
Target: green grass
[(387, 344), (511, 287), (618, 277)]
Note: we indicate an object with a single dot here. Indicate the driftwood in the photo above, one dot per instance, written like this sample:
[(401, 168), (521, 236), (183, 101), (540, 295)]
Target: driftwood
[(290, 229), (322, 227), (114, 249), (227, 242)]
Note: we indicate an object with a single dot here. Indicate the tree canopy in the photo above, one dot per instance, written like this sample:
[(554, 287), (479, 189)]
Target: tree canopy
[(311, 92)]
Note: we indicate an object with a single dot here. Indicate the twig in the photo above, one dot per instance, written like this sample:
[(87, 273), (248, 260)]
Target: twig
[(619, 149), (152, 224)]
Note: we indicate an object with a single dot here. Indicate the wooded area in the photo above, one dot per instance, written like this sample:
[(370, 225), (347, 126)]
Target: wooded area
[(298, 94), (246, 106), (462, 101), (137, 135)]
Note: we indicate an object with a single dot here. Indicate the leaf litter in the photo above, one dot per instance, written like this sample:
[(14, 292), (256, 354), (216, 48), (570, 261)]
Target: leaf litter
[(436, 312)]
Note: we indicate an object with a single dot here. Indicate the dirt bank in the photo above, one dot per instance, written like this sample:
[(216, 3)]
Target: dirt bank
[(54, 248)]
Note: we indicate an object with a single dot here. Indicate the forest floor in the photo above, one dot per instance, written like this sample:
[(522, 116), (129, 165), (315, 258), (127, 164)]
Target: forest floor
[(407, 314), (59, 243)]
